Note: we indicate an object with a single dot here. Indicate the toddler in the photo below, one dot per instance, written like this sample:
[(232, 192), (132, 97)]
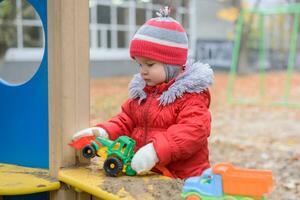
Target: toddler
[(167, 113)]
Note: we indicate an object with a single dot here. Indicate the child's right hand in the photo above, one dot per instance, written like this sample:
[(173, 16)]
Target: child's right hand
[(96, 131)]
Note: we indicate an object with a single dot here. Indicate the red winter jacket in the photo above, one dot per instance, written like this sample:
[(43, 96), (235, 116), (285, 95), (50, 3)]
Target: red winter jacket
[(174, 116)]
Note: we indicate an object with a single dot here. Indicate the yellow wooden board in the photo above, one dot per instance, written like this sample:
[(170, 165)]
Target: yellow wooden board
[(17, 180), (92, 179)]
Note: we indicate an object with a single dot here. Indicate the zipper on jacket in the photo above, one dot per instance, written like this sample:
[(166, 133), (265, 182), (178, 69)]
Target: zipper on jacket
[(146, 116)]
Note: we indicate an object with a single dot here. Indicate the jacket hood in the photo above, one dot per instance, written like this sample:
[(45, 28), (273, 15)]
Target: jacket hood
[(196, 78)]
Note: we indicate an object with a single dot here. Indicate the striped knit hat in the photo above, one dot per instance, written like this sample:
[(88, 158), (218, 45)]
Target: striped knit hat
[(162, 39)]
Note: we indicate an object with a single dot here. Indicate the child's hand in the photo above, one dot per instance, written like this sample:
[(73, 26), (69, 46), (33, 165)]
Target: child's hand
[(144, 159), (96, 131)]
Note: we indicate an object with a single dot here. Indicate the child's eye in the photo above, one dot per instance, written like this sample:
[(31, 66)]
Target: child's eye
[(150, 64)]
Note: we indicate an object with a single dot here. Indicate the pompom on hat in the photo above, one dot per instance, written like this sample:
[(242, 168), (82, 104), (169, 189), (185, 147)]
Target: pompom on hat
[(162, 39)]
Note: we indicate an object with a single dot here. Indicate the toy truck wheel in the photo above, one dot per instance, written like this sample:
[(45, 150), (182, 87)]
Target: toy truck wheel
[(88, 151), (113, 166), (192, 197)]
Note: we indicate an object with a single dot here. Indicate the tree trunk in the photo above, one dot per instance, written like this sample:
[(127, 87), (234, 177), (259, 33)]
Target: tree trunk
[(3, 48), (243, 65)]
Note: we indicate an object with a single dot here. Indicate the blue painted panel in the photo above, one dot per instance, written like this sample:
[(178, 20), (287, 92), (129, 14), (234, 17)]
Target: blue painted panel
[(24, 113)]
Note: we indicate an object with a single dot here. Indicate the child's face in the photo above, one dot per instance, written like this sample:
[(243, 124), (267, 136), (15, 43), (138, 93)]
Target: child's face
[(152, 71)]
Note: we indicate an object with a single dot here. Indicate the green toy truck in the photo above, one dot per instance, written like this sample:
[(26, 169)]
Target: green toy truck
[(117, 154)]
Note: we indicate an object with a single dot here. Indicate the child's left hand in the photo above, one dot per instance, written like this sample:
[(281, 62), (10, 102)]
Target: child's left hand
[(144, 159)]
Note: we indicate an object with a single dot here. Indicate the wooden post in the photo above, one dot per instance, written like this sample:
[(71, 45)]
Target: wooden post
[(69, 93)]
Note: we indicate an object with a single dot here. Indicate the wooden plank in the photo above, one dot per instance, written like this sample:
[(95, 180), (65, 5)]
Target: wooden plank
[(68, 58), (93, 180), (17, 180)]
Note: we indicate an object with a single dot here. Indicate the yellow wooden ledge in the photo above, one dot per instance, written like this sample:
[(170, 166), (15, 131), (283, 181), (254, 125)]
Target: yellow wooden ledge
[(17, 180), (93, 180)]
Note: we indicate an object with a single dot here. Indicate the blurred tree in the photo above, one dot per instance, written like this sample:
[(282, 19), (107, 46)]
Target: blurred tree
[(231, 13), (7, 31), (242, 66), (28, 11)]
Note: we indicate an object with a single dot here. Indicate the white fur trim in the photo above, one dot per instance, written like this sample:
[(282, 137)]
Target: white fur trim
[(196, 78)]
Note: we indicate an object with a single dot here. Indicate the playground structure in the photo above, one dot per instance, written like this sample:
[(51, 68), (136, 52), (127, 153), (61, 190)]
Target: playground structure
[(39, 116), (224, 181), (280, 21)]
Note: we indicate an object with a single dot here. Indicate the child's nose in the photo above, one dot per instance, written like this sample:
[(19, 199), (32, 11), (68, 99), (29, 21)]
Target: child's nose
[(143, 70)]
